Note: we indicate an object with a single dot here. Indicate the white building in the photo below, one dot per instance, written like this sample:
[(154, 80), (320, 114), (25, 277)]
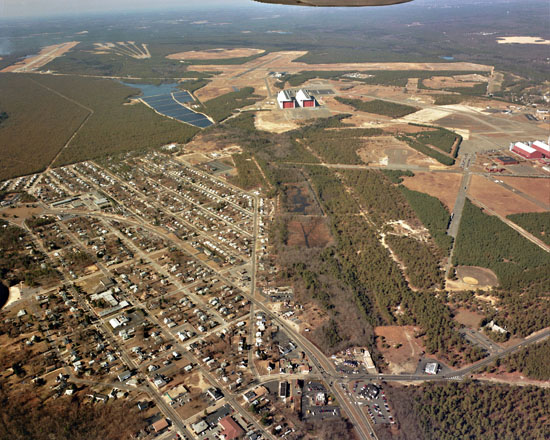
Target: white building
[(305, 99), (285, 100)]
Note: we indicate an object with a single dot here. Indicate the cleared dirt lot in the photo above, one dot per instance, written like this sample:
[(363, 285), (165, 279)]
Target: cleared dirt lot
[(440, 82), (537, 188), (444, 186), (404, 351), (215, 54), (386, 150), (468, 318), (499, 199)]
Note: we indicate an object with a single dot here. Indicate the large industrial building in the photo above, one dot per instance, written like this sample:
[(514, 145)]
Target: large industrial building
[(288, 99), (525, 150), (542, 148), (285, 99)]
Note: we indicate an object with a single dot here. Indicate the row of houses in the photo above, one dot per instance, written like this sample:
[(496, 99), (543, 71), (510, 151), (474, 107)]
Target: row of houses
[(287, 99), (531, 150)]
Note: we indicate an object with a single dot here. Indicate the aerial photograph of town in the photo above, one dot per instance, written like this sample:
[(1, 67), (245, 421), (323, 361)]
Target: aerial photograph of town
[(275, 219)]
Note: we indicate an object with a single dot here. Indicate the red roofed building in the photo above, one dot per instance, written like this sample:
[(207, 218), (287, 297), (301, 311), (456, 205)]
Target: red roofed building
[(231, 429)]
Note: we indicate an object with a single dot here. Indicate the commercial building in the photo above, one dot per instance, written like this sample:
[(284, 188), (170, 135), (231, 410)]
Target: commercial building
[(525, 151), (432, 368), (231, 429)]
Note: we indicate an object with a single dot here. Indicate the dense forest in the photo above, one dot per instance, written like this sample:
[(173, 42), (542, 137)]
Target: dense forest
[(379, 107), (537, 223), (25, 417), (469, 410), (50, 109), (433, 215), (223, 106), (532, 361), (438, 137), (427, 150), (523, 269)]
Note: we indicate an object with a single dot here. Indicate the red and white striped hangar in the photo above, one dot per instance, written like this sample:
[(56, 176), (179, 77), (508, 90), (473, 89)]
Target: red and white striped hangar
[(525, 150), (285, 99), (542, 148), (305, 99)]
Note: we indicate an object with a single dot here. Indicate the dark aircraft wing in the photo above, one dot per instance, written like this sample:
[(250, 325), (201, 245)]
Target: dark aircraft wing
[(335, 3)]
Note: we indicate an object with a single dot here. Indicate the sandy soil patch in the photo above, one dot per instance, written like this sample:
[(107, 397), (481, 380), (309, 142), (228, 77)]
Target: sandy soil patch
[(443, 186), (18, 214), (274, 122), (537, 188), (499, 199), (515, 378), (405, 350), (215, 54), (387, 150), (522, 40), (46, 55), (441, 82), (309, 232), (468, 318), (14, 296)]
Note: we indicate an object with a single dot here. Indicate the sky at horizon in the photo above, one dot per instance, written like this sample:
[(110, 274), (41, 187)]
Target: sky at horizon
[(39, 8), (48, 8)]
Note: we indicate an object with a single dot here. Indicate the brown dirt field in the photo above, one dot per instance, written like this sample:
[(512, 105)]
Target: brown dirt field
[(18, 214), (274, 122), (404, 358), (215, 54), (443, 186), (537, 188), (309, 232), (515, 378), (499, 199), (468, 318), (46, 55), (384, 150)]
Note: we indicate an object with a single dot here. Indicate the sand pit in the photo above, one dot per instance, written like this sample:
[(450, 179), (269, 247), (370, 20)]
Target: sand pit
[(441, 82), (274, 122), (499, 199), (522, 40), (443, 186), (471, 281), (404, 351), (215, 54), (537, 188)]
